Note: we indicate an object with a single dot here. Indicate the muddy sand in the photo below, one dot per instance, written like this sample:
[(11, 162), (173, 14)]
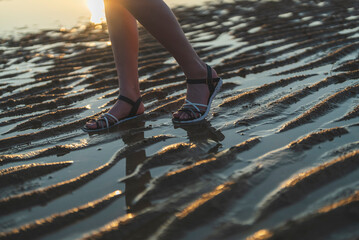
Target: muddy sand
[(278, 157)]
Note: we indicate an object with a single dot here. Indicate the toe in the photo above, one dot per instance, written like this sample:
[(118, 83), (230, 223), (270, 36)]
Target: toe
[(176, 114), (91, 124), (95, 124), (180, 116), (184, 116)]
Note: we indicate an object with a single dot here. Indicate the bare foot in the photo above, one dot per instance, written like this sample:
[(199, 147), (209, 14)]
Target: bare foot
[(196, 93), (120, 110)]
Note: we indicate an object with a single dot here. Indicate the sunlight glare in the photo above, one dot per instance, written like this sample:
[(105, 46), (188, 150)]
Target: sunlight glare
[(96, 8)]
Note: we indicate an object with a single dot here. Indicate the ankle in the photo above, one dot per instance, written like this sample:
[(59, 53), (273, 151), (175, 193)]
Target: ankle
[(200, 72), (195, 71), (132, 94)]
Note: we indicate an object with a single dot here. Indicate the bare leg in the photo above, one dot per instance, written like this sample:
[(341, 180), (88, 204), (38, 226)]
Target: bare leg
[(122, 28), (159, 20)]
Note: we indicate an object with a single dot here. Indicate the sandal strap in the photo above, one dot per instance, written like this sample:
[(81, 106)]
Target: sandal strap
[(135, 105), (107, 122), (112, 116), (209, 80), (110, 119), (192, 109), (101, 119), (194, 105), (97, 122), (126, 99)]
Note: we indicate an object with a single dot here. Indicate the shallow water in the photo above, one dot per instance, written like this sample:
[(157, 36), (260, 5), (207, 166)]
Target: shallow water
[(280, 143), (23, 16)]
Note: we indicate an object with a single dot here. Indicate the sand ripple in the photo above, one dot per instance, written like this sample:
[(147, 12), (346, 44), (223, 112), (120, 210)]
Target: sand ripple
[(277, 159)]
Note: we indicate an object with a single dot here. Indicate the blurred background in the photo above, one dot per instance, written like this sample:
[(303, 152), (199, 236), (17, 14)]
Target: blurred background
[(21, 16)]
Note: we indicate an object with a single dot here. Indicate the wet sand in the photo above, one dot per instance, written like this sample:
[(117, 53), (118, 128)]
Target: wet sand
[(276, 159)]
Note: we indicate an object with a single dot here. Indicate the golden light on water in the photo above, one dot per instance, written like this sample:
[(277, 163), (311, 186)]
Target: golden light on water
[(261, 235), (96, 8)]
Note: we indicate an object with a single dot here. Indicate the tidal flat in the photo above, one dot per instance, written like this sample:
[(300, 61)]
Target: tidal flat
[(277, 158)]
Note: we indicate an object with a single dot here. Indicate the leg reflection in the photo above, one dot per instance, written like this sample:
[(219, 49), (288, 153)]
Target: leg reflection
[(135, 186), (202, 133)]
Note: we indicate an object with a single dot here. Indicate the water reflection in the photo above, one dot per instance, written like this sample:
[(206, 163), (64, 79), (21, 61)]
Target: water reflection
[(130, 132), (43, 14), (136, 185), (202, 133)]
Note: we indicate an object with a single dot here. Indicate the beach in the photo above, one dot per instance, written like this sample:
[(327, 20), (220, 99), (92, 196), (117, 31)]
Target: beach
[(277, 158)]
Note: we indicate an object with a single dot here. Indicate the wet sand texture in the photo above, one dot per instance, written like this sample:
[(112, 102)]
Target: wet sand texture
[(278, 157)]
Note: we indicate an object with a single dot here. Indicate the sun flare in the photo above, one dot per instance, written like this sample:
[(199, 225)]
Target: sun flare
[(96, 8)]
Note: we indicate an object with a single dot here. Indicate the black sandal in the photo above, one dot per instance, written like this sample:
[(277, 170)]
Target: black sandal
[(192, 109), (111, 120)]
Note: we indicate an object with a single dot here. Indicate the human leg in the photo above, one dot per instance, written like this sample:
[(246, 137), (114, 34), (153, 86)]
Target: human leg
[(159, 20), (123, 33)]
